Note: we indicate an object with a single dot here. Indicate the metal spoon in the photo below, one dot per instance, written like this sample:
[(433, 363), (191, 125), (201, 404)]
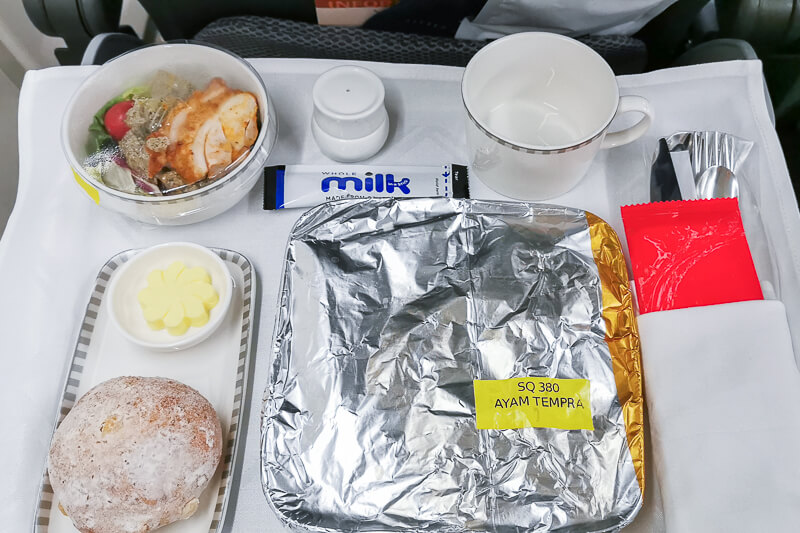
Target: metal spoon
[(717, 182)]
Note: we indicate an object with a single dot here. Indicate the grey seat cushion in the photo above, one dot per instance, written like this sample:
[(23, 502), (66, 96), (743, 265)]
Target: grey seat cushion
[(251, 36)]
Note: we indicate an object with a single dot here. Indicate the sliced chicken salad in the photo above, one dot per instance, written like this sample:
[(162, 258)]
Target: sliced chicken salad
[(169, 137)]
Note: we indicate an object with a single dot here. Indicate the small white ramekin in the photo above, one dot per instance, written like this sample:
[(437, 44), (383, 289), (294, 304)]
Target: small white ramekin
[(350, 122), (124, 287)]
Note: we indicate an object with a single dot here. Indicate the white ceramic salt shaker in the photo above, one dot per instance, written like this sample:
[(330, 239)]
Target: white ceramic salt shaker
[(350, 122)]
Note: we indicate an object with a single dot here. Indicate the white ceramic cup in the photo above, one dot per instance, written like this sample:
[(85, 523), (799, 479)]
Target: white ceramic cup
[(538, 110)]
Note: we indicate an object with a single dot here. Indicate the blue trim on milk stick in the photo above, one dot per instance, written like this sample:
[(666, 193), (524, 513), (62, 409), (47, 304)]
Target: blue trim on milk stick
[(279, 188)]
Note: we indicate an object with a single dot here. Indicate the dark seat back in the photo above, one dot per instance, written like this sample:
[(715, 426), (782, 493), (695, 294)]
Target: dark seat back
[(182, 19)]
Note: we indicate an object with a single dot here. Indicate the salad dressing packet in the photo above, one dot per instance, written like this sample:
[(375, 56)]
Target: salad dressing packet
[(689, 253)]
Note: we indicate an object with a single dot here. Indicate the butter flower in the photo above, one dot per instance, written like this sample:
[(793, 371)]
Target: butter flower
[(177, 298)]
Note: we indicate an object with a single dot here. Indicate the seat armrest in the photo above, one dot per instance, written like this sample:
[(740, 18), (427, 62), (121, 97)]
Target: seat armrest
[(107, 46)]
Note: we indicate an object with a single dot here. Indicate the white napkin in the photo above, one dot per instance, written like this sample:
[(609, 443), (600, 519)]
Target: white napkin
[(569, 17), (723, 393)]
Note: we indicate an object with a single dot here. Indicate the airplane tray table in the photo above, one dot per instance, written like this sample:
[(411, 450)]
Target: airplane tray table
[(57, 237)]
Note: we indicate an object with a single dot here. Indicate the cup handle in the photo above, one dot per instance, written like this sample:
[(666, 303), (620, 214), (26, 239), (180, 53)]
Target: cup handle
[(627, 104)]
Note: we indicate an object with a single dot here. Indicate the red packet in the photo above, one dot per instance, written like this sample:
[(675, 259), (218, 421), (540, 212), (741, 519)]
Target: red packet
[(689, 254)]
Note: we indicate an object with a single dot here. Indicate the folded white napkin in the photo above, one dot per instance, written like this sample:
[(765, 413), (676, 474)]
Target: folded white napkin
[(723, 394)]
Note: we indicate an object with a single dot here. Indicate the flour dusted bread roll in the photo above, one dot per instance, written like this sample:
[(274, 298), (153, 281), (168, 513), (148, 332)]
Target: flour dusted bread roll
[(134, 454)]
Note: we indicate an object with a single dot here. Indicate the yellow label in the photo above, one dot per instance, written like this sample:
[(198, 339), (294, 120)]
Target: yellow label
[(533, 403), (91, 191)]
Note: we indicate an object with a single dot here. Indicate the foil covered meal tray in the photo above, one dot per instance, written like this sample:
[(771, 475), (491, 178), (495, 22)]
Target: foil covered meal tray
[(454, 365)]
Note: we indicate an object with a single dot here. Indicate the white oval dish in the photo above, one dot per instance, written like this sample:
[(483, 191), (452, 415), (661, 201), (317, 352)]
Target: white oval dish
[(126, 313), (217, 368)]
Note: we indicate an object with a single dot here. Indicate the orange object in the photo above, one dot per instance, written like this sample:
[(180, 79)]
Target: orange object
[(207, 133), (348, 12)]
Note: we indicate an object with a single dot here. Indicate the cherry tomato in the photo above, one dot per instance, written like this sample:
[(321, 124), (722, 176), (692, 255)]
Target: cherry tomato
[(114, 119)]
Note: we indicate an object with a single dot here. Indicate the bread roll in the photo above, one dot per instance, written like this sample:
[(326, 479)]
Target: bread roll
[(134, 454)]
